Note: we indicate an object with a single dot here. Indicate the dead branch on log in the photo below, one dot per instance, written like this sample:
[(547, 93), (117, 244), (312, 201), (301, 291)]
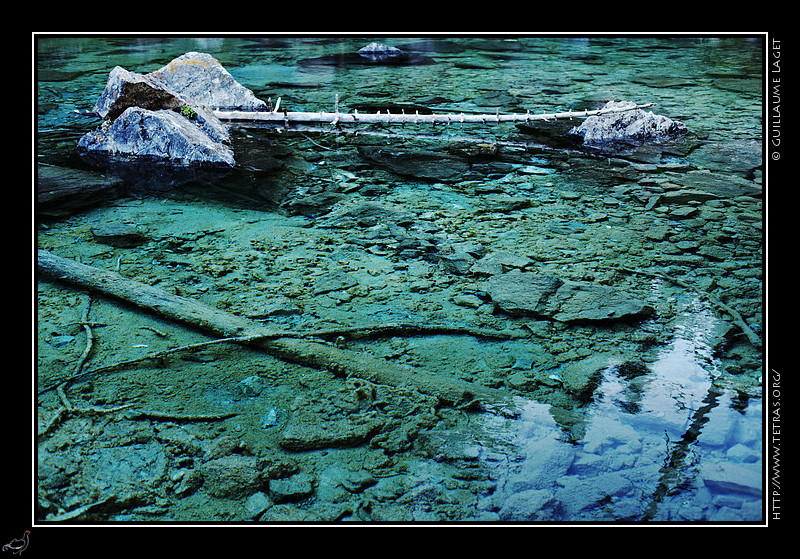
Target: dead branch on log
[(339, 361), (405, 329), (67, 410), (179, 418), (355, 332), (155, 355), (89, 338)]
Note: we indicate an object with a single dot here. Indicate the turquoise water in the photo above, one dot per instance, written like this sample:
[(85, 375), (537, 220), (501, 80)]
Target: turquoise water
[(681, 443), (712, 84)]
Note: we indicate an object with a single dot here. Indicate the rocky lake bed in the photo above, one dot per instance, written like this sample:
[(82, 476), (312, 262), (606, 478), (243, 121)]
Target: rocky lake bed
[(625, 291)]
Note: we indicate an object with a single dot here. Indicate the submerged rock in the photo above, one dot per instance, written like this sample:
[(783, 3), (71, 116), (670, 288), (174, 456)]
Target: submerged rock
[(373, 54), (121, 235), (61, 191), (232, 476), (732, 478), (739, 157), (575, 302), (722, 185), (366, 214), (581, 378), (313, 204), (422, 164), (295, 488), (547, 296), (310, 431), (498, 262)]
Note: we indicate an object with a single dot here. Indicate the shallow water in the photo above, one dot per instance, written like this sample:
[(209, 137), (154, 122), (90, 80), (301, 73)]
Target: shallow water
[(665, 446), (679, 443)]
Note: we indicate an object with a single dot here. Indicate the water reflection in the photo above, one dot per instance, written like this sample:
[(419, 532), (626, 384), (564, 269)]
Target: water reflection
[(662, 443)]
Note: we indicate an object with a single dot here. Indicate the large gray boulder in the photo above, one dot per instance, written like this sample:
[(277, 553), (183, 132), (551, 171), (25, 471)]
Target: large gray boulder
[(126, 89), (167, 115), (160, 135), (200, 77), (630, 126), (547, 296)]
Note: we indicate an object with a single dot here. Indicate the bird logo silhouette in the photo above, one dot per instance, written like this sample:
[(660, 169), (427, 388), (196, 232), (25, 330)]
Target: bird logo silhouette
[(18, 545)]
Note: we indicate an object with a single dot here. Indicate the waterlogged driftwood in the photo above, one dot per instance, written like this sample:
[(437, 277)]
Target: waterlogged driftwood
[(287, 118), (340, 361)]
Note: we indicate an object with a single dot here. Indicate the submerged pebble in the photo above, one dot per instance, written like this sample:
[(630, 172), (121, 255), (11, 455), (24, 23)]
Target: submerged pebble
[(270, 419)]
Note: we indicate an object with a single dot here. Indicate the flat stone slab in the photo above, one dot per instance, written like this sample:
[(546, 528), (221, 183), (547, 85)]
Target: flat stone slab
[(63, 191), (547, 296), (722, 185), (732, 478), (732, 156), (121, 235), (309, 431), (422, 164)]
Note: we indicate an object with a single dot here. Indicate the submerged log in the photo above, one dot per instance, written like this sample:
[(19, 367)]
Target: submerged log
[(340, 361)]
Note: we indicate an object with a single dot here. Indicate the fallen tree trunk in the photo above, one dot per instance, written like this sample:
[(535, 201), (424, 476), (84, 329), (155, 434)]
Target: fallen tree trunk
[(340, 361), (335, 118)]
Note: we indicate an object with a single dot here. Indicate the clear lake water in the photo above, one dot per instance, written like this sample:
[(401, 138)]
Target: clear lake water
[(676, 440)]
